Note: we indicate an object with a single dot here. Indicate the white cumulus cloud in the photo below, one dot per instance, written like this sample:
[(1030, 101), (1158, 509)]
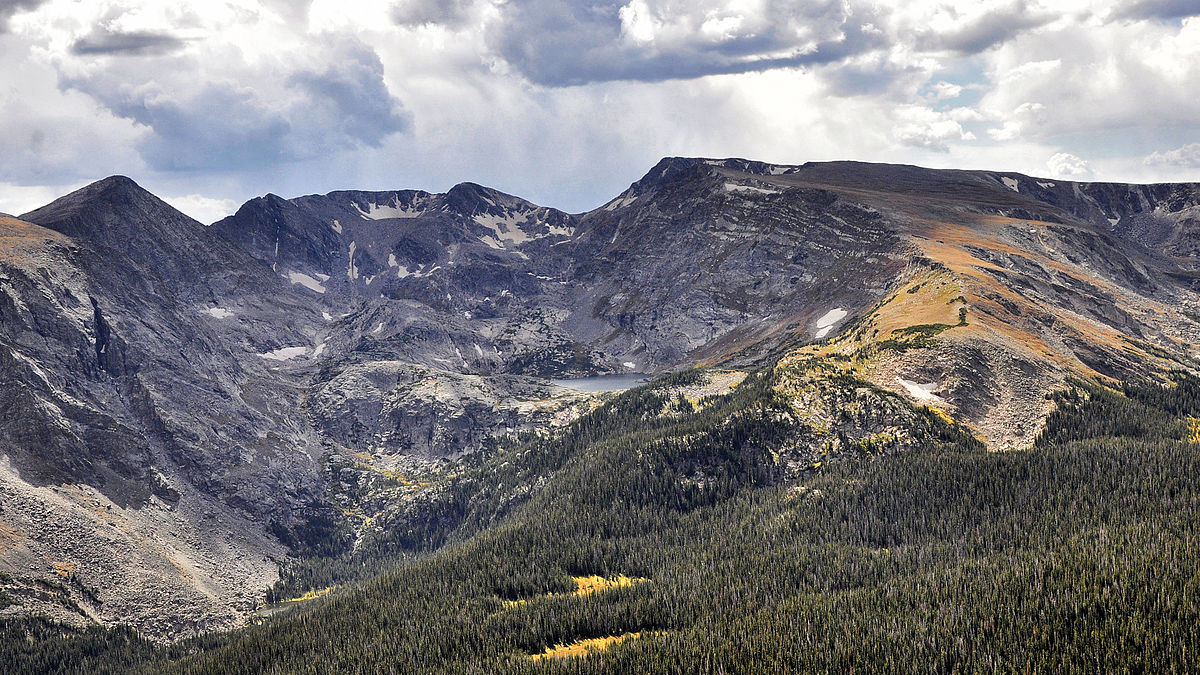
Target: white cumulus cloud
[(1066, 165), (1184, 156)]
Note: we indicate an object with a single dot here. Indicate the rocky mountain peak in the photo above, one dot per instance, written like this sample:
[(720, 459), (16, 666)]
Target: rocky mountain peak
[(110, 210), (668, 170), (470, 199)]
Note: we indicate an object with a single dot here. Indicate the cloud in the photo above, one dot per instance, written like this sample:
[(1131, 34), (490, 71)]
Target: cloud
[(928, 129), (10, 7), (869, 75), (993, 27), (349, 100), (105, 41), (1187, 156), (213, 111), (560, 43), (56, 137), (427, 12), (1065, 165), (943, 91), (1158, 9), (204, 209), (567, 102)]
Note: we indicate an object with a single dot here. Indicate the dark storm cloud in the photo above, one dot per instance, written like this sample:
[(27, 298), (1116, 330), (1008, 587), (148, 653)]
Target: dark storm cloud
[(214, 128), (10, 7), (560, 43), (1160, 9), (995, 27), (353, 99), (104, 41), (220, 125)]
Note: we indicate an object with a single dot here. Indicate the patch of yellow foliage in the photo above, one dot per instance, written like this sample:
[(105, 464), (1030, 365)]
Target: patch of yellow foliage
[(586, 586), (312, 595), (1193, 429), (582, 647), (595, 583), (942, 414)]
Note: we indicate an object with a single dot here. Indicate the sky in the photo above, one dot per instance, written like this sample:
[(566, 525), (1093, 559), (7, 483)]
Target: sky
[(208, 103)]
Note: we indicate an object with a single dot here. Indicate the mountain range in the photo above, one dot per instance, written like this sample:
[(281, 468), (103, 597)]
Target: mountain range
[(190, 410)]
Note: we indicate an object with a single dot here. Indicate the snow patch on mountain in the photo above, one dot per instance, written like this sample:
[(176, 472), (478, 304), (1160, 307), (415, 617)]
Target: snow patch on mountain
[(285, 353), (828, 320), (734, 187), (218, 312), (392, 209), (504, 227), (305, 281), (1011, 183), (919, 391)]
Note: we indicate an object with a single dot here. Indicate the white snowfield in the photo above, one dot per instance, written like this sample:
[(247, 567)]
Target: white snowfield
[(734, 187), (392, 209), (285, 353), (305, 281), (505, 228), (218, 312), (921, 392), (1011, 183), (828, 320)]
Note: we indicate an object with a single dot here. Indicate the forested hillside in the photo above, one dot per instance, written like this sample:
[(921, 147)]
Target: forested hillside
[(715, 553)]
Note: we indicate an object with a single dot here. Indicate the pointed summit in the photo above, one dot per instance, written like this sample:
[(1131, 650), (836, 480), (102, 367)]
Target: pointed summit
[(137, 237), (105, 211)]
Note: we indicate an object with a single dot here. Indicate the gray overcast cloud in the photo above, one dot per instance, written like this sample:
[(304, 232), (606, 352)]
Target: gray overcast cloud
[(209, 102)]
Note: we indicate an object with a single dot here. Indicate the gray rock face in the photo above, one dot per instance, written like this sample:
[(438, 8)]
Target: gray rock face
[(172, 391), (129, 347)]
